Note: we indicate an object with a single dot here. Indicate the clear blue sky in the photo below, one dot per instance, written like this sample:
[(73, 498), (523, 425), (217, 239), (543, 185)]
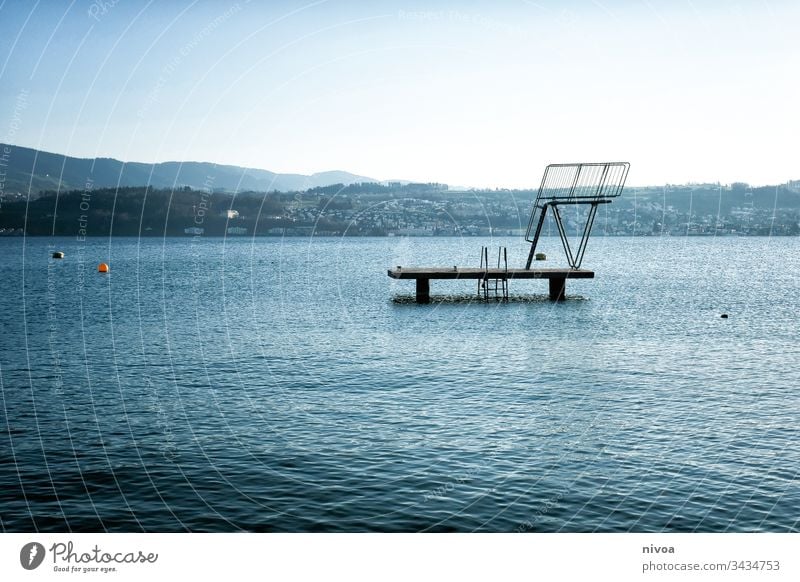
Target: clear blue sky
[(467, 93)]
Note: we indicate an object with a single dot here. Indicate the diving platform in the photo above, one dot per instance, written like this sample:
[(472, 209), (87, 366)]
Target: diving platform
[(587, 185), (557, 278)]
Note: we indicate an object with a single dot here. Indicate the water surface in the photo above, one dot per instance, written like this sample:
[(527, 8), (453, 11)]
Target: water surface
[(290, 385)]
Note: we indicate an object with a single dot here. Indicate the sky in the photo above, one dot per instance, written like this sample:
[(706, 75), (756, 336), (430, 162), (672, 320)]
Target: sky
[(472, 94)]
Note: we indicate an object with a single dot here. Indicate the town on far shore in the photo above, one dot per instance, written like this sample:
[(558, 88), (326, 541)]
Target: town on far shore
[(395, 209)]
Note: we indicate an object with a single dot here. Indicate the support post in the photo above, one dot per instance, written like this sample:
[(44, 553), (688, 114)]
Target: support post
[(423, 290), (558, 287)]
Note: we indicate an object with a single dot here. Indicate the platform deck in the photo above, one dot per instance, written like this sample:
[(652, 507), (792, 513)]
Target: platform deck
[(491, 273), (557, 277)]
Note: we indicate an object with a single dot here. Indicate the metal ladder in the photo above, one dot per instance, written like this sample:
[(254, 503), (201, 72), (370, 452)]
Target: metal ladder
[(500, 283)]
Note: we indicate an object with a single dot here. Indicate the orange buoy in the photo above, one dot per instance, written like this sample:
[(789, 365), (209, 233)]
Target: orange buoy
[(102, 268)]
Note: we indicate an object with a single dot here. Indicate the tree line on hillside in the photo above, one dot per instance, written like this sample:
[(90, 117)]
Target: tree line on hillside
[(140, 212)]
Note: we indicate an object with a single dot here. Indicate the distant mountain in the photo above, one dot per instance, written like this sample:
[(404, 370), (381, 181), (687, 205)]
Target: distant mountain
[(28, 168)]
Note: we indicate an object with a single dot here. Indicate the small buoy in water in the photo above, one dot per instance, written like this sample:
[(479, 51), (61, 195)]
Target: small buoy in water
[(724, 316), (58, 255), (102, 268), (541, 257)]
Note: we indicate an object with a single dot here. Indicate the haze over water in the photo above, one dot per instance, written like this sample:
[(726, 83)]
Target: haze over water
[(290, 385)]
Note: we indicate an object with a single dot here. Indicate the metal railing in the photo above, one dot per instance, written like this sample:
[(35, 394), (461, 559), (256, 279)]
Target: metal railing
[(592, 184)]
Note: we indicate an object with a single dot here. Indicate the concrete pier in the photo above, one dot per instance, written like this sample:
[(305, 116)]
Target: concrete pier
[(557, 278)]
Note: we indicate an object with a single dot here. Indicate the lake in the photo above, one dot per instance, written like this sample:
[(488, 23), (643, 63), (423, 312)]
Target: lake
[(288, 384)]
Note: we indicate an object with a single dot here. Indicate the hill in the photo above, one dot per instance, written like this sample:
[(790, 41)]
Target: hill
[(39, 171)]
